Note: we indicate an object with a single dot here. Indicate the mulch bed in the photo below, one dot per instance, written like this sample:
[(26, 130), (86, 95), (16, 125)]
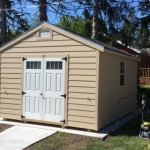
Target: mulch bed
[(4, 127)]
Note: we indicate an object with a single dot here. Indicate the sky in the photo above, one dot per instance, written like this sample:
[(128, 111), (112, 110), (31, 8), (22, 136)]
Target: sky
[(52, 17)]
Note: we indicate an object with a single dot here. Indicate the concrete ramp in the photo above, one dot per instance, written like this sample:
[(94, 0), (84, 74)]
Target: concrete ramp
[(20, 137)]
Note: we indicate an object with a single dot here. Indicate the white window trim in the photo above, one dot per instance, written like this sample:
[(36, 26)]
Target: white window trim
[(44, 31), (44, 38), (123, 73)]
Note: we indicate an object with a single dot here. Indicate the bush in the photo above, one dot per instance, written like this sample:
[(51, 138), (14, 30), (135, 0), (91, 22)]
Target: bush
[(143, 90)]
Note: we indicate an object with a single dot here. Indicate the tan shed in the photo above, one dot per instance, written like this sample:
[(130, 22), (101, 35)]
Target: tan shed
[(51, 75)]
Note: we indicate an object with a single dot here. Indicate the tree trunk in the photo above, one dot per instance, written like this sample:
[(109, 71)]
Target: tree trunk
[(3, 25), (95, 20), (42, 10)]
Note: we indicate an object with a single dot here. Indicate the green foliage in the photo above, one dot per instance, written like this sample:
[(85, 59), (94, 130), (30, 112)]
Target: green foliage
[(78, 25), (143, 90), (13, 24), (34, 20), (124, 20), (11, 34), (142, 36)]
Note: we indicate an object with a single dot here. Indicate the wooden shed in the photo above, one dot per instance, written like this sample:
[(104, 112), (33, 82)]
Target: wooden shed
[(51, 75)]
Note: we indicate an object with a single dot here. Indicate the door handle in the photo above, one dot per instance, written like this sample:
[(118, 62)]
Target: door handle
[(42, 95)]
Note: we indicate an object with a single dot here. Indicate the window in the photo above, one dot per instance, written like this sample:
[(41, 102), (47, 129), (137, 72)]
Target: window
[(44, 33), (122, 73), (33, 65), (54, 65)]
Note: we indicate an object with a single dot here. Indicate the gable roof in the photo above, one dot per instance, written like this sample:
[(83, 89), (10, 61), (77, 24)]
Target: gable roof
[(97, 45), (106, 46)]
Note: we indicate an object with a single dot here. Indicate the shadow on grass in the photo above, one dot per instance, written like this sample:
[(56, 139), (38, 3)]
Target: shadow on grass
[(130, 128)]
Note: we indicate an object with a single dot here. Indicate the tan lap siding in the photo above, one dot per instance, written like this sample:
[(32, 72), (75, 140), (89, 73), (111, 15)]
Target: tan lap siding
[(111, 91), (81, 80), (81, 101), (11, 84)]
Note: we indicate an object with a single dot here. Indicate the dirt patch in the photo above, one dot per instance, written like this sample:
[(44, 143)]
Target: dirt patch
[(4, 127), (62, 141)]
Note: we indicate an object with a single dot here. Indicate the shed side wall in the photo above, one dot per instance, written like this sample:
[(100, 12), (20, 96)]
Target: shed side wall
[(81, 80), (111, 91)]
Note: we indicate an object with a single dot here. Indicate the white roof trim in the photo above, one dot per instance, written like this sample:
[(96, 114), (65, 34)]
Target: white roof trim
[(134, 49)]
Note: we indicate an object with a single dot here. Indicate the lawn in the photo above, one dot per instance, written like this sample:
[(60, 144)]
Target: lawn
[(125, 138)]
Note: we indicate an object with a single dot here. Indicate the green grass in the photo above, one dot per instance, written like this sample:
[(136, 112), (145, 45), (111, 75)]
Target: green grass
[(126, 139), (52, 142)]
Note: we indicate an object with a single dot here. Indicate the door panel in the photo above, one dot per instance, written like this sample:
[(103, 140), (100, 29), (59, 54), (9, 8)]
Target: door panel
[(37, 81), (27, 104), (48, 106), (28, 81), (58, 106), (48, 81), (58, 82)]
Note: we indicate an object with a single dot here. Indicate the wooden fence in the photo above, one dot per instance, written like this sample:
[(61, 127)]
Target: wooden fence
[(145, 76)]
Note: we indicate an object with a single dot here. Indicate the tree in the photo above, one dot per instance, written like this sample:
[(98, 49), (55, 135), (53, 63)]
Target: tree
[(77, 25), (95, 20), (144, 23), (34, 20), (59, 7), (3, 22), (114, 18), (42, 10), (111, 14), (10, 20)]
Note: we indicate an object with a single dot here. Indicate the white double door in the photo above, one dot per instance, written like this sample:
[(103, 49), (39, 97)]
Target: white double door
[(44, 89)]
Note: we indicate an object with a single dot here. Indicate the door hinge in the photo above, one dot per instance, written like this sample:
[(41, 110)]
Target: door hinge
[(65, 58), (23, 59), (23, 93), (22, 116), (62, 121), (63, 95)]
